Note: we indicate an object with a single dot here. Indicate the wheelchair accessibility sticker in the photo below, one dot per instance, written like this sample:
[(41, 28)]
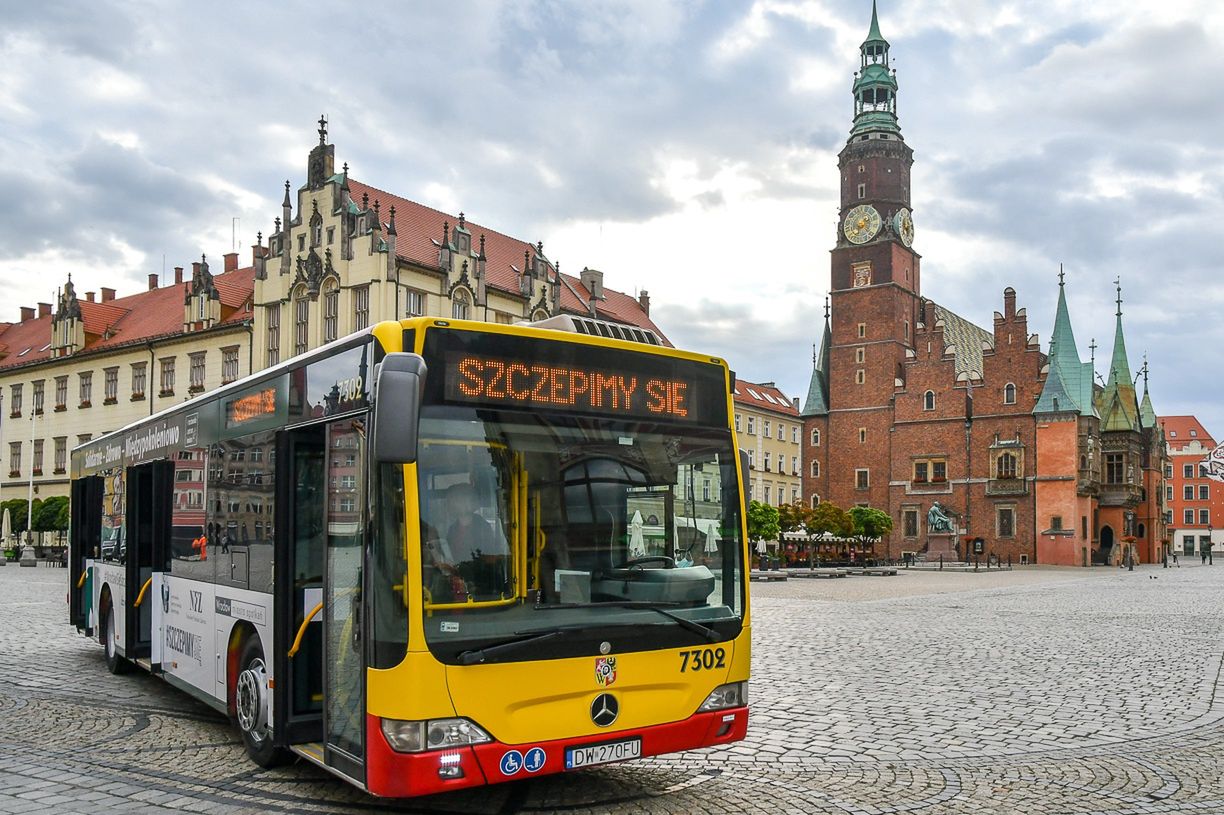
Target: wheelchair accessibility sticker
[(511, 762)]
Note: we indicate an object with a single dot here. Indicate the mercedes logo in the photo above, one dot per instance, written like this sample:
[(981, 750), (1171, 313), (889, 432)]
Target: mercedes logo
[(604, 709)]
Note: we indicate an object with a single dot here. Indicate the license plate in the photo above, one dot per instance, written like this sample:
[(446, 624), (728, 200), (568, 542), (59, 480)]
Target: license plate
[(578, 757)]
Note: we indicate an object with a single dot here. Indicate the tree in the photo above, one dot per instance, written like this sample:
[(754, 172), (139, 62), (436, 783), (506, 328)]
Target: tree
[(869, 524), (51, 515), (830, 518), (762, 522), (793, 516)]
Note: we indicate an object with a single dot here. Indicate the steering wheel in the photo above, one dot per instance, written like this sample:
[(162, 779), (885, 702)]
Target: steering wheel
[(637, 562)]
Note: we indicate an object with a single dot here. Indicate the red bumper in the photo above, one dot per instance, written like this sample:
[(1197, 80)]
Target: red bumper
[(400, 775)]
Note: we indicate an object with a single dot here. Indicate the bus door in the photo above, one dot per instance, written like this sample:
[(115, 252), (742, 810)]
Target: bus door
[(297, 710), (149, 506), (83, 543)]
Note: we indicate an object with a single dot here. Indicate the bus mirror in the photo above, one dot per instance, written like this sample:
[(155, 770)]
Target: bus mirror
[(744, 483), (397, 405)]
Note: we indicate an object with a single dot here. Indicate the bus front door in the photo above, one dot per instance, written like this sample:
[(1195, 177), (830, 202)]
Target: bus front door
[(320, 705), (149, 505)]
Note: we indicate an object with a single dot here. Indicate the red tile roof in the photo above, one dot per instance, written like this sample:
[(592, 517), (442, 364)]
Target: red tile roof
[(1178, 431), (152, 314), (418, 233), (765, 397)]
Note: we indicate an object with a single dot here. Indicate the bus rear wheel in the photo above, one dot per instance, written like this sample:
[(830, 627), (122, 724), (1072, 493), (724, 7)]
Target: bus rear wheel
[(114, 663), (252, 707)]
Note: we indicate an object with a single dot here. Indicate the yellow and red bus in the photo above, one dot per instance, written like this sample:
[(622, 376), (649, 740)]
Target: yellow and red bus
[(435, 554)]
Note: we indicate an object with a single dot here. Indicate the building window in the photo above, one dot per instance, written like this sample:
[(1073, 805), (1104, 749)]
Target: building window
[(85, 386), (765, 428), (909, 523), (928, 400), (862, 330), (1187, 471), (1204, 492), (815, 469), (752, 459), (274, 334), (862, 435), (1005, 466), (815, 437), (460, 304), (195, 372), (139, 371), (737, 423), (331, 235), (1056, 523), (860, 377), (862, 479), (331, 313), (167, 377), (1188, 492), (110, 386), (751, 425), (1005, 521), (930, 471), (361, 308), (766, 493), (38, 456), (795, 465), (414, 302), (860, 355), (1168, 471), (815, 501), (1204, 517), (1168, 516), (61, 392), (1188, 516), (229, 364), (1009, 394), (795, 434), (14, 401), (61, 454), (14, 459), (781, 432), (1169, 493), (705, 490), (301, 326), (1203, 471), (38, 398), (1115, 470), (1188, 544), (766, 462)]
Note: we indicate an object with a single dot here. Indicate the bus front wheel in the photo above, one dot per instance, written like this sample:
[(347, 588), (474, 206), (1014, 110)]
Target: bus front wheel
[(114, 663), (251, 707)]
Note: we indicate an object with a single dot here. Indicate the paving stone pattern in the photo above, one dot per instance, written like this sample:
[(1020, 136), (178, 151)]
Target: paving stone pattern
[(1034, 691)]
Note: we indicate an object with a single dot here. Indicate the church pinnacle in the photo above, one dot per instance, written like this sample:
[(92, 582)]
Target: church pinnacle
[(1119, 405), (875, 85)]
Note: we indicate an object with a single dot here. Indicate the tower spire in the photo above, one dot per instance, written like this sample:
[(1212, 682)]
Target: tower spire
[(875, 85)]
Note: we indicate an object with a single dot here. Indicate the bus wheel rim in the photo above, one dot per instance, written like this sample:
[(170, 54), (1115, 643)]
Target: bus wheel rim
[(110, 636), (250, 701)]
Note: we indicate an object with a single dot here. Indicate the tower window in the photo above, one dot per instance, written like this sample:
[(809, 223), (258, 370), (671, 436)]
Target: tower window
[(862, 168), (860, 355), (862, 479), (1009, 394), (862, 330), (862, 190), (862, 435), (860, 377), (928, 400)]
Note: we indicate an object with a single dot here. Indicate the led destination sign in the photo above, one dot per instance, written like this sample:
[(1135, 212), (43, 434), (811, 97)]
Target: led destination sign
[(252, 407)]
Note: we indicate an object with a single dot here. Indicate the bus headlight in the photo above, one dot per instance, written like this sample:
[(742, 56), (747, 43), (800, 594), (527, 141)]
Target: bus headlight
[(435, 734), (734, 694)]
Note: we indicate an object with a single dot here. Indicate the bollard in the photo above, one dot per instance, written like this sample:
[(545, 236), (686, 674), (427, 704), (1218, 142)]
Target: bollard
[(1009, 561), (941, 563)]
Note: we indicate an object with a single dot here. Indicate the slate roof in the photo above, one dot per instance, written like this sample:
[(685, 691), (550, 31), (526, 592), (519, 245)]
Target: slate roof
[(968, 338)]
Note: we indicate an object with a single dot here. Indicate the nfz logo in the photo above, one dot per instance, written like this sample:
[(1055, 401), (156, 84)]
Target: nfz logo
[(197, 601), (605, 671)]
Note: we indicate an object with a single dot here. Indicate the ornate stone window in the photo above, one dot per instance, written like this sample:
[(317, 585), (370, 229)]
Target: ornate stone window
[(273, 334), (301, 325), (461, 304), (930, 470), (361, 307), (1115, 469), (331, 310), (1005, 465), (1009, 394), (815, 437), (815, 469)]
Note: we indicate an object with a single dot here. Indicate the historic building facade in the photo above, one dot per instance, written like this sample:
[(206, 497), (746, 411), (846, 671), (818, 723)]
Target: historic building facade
[(768, 427), (342, 255), (1194, 501), (973, 439)]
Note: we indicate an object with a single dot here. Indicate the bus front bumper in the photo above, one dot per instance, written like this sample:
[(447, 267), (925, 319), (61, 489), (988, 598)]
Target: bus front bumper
[(398, 775)]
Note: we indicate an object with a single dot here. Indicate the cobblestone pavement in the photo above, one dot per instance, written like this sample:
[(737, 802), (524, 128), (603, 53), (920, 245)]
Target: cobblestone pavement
[(1034, 691)]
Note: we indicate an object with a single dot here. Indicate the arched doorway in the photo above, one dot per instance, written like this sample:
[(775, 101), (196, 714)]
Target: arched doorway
[(1107, 544)]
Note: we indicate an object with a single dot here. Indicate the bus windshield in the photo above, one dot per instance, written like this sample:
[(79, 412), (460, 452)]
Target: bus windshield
[(539, 522)]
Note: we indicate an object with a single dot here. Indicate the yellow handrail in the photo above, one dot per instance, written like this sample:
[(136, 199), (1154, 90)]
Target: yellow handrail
[(143, 589), (81, 581), (297, 641)]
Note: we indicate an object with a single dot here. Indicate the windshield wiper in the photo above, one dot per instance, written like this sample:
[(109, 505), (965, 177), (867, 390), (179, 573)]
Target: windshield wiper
[(705, 631), (477, 656)]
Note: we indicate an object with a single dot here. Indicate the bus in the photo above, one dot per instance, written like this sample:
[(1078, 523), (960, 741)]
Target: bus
[(435, 554)]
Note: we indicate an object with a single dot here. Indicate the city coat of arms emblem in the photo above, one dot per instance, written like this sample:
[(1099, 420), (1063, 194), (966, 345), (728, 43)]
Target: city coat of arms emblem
[(605, 671)]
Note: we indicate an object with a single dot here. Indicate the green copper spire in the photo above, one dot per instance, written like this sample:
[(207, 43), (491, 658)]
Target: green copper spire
[(875, 86), (1147, 414), (817, 403), (1119, 407), (1068, 385)]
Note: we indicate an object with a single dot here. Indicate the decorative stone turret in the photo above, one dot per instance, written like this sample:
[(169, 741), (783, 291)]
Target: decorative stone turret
[(67, 326), (202, 304)]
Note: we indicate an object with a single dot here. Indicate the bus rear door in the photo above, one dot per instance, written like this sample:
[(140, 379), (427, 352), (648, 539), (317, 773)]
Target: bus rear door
[(85, 538), (149, 506)]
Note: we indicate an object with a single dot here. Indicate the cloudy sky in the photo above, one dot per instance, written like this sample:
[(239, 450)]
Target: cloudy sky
[(684, 148)]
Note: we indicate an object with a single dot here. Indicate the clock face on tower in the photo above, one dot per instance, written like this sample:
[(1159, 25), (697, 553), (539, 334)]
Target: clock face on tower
[(862, 223), (904, 224)]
